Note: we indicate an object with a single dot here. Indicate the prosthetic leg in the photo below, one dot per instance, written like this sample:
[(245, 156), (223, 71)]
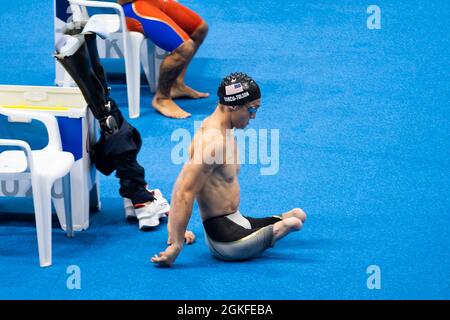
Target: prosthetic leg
[(119, 143), (73, 54)]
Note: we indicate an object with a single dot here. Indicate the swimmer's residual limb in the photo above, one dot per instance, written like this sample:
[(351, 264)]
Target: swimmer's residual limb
[(119, 143)]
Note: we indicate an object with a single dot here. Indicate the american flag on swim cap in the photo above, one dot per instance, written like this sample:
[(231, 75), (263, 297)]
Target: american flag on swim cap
[(237, 88), (234, 88)]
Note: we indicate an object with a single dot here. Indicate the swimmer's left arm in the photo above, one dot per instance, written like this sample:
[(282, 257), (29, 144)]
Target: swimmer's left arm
[(189, 183)]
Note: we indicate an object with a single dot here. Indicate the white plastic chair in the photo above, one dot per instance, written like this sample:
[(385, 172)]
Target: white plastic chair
[(43, 167), (132, 42)]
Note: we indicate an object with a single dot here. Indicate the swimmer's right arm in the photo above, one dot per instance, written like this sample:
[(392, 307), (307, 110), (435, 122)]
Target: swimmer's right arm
[(189, 183)]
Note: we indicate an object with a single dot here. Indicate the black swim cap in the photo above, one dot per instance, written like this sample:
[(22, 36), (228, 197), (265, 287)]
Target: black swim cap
[(237, 89)]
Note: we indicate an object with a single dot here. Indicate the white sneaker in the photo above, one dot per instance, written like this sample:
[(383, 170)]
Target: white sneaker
[(129, 209), (163, 204), (148, 213)]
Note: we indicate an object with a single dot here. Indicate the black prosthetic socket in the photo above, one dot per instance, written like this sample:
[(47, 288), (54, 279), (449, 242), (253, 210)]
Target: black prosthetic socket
[(80, 69), (91, 42), (79, 66)]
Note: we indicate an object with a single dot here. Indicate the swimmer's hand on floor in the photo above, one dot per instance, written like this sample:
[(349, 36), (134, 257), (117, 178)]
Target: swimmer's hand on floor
[(166, 258)]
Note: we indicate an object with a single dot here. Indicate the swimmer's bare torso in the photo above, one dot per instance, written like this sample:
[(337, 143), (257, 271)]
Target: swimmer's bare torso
[(220, 194)]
